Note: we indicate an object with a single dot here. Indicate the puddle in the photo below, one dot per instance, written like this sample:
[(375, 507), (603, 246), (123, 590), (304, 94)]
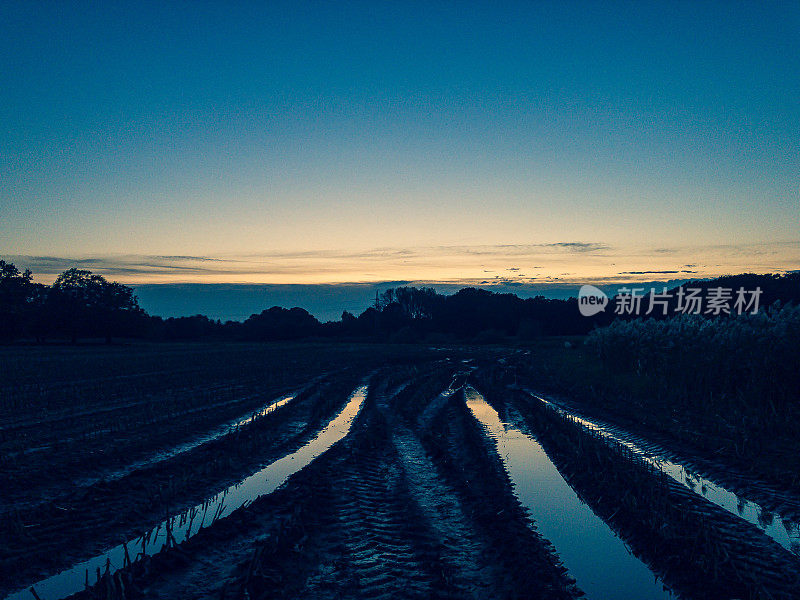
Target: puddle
[(183, 526), (600, 562), (217, 433), (784, 531), (273, 406)]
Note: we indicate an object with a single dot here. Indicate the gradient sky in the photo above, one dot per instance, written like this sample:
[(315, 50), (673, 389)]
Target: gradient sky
[(344, 142)]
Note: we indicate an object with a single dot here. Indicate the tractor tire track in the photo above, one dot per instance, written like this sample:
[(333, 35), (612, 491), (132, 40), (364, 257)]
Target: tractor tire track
[(385, 548), (514, 558), (49, 537), (700, 549), (461, 550)]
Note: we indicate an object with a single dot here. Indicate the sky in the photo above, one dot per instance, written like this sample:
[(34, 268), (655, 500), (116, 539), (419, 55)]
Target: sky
[(358, 142)]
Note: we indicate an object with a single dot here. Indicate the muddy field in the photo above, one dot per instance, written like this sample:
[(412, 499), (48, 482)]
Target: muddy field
[(335, 471)]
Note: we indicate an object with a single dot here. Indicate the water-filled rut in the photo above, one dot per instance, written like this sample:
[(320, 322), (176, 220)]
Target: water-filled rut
[(214, 434), (180, 527), (600, 562), (781, 528)]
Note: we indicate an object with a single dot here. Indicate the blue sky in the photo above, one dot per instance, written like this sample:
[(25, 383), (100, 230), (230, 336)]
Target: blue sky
[(301, 143)]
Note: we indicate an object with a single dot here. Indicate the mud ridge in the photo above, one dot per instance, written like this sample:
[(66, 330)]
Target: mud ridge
[(526, 563)]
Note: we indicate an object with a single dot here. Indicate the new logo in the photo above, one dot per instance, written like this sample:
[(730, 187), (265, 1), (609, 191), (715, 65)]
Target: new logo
[(591, 300)]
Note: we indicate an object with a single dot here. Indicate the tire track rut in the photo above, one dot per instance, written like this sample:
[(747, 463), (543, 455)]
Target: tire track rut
[(461, 549), (411, 504)]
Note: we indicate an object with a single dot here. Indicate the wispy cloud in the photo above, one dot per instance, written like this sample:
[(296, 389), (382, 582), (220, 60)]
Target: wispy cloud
[(545, 262), (527, 249), (117, 264), (191, 258), (579, 246), (654, 272), (428, 251)]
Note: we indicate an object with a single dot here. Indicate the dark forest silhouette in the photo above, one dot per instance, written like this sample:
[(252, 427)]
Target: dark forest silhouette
[(81, 304)]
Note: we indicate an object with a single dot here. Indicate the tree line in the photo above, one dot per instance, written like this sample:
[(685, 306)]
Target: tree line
[(78, 304), (81, 305)]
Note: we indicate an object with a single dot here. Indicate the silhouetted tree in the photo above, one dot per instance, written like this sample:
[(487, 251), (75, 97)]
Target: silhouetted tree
[(279, 323), (37, 322), (196, 327), (16, 295), (83, 303)]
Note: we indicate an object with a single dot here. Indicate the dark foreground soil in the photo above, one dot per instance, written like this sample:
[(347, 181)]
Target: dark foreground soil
[(88, 519), (413, 503), (373, 517)]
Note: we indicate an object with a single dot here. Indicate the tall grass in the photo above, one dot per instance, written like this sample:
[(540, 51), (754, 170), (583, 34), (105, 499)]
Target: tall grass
[(730, 386), (744, 357)]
